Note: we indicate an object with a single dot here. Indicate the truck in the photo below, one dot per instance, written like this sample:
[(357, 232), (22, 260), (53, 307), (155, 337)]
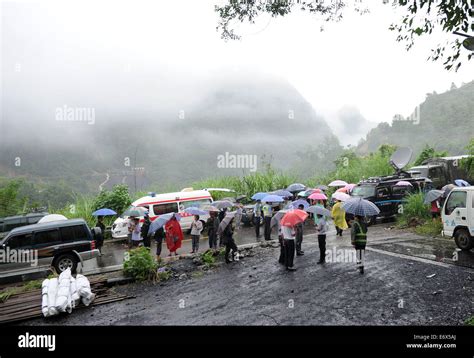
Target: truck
[(442, 171), (458, 217)]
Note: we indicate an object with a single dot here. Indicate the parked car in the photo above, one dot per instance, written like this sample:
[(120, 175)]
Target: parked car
[(8, 223), (60, 244), (458, 217)]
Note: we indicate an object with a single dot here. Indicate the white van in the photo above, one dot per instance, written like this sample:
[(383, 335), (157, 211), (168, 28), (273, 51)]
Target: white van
[(458, 216), (159, 204)]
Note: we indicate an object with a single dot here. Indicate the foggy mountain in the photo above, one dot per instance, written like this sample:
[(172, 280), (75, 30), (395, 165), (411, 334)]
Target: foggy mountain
[(178, 127), (443, 121)]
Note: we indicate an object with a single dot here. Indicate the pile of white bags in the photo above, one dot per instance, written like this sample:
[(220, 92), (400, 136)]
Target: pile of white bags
[(62, 294)]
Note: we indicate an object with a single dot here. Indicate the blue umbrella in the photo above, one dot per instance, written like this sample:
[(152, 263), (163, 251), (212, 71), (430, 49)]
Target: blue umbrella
[(360, 207), (296, 187), (161, 221), (297, 203), (104, 212), (272, 199), (259, 196), (281, 192), (195, 211), (461, 182)]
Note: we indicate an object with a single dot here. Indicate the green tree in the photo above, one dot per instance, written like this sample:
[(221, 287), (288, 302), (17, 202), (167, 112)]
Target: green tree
[(420, 17), (10, 204), (468, 163), (429, 152), (118, 199)]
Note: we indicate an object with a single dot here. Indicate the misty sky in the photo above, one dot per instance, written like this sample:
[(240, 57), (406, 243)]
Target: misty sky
[(353, 69)]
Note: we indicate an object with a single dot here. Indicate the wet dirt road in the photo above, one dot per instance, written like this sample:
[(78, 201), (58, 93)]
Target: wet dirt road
[(402, 285)]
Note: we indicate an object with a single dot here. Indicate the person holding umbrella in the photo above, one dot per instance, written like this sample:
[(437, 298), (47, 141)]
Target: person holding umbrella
[(100, 238), (174, 236), (159, 235), (359, 240), (196, 228), (360, 208), (433, 198), (144, 230), (226, 232), (299, 235), (288, 223), (135, 230), (212, 226), (267, 217), (257, 217), (321, 228), (339, 217)]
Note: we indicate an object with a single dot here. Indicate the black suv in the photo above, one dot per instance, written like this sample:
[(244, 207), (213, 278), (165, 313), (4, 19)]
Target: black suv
[(9, 223), (61, 244), (388, 197)]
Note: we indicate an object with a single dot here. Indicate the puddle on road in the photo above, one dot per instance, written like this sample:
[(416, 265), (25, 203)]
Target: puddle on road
[(431, 249)]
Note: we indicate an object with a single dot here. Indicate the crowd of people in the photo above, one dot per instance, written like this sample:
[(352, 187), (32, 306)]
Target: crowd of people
[(221, 226)]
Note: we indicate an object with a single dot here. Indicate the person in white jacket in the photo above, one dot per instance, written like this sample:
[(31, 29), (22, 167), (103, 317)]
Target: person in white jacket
[(196, 228)]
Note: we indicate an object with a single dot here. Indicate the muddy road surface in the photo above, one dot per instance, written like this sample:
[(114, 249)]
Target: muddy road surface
[(402, 285)]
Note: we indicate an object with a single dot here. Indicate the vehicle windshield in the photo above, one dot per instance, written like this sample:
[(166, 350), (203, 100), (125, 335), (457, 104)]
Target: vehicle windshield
[(363, 191), (418, 172)]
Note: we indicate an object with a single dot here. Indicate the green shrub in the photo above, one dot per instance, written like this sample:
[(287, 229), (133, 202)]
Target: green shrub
[(140, 264), (117, 199), (208, 258), (414, 209)]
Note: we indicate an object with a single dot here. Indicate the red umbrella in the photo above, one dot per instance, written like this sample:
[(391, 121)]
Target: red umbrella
[(342, 190), (293, 217)]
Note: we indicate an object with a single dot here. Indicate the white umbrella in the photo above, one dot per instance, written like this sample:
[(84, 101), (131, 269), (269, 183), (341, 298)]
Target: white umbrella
[(338, 183), (340, 196), (52, 217)]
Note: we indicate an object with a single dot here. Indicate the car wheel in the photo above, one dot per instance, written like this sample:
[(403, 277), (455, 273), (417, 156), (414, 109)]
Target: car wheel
[(63, 262), (463, 240)]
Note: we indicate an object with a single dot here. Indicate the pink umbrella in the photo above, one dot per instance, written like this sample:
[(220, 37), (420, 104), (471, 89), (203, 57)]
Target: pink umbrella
[(317, 196), (349, 187), (342, 190), (403, 183)]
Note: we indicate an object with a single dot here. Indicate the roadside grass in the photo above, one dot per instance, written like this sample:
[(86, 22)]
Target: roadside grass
[(430, 228), (469, 321), (29, 286)]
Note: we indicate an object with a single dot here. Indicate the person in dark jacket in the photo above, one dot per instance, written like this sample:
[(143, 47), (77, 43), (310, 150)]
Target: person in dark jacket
[(212, 226), (359, 240), (299, 235), (144, 230), (159, 237), (228, 241), (100, 238)]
